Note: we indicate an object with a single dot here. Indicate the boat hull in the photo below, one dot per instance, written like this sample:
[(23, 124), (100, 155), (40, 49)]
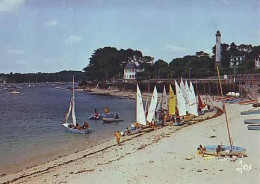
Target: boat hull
[(93, 117), (73, 130), (250, 112), (110, 120), (253, 127), (252, 121), (211, 150), (178, 124)]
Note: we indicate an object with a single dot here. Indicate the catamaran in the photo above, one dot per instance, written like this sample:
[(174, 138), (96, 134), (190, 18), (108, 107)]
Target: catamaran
[(71, 127)]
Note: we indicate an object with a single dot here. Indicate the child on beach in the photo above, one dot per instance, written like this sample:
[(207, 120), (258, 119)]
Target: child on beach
[(118, 136)]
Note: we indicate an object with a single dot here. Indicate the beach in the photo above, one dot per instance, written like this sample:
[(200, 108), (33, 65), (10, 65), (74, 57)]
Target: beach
[(165, 155)]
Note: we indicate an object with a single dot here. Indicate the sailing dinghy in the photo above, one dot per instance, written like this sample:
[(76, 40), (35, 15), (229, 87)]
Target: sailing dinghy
[(181, 104), (252, 121), (71, 127), (140, 115), (225, 150)]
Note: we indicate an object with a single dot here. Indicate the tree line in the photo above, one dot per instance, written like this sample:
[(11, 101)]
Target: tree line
[(108, 63), (63, 76)]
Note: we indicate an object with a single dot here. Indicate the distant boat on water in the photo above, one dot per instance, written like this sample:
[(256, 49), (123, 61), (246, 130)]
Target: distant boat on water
[(15, 92)]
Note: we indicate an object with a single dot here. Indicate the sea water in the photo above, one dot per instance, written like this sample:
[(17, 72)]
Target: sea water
[(31, 130)]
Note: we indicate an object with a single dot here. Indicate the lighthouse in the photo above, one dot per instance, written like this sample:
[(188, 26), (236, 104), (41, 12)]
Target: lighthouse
[(218, 49)]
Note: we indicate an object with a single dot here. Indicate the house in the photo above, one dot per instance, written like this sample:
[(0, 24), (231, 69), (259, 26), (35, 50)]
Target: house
[(131, 69), (236, 60), (257, 62)]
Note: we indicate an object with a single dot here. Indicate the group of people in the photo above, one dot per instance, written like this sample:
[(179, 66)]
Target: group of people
[(201, 150), (85, 126)]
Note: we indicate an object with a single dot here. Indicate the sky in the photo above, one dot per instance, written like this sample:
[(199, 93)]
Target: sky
[(56, 35)]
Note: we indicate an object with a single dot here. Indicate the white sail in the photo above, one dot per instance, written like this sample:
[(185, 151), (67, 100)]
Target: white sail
[(140, 115), (152, 106), (68, 113), (180, 101), (193, 105), (185, 93), (73, 106), (164, 100), (182, 86), (159, 105)]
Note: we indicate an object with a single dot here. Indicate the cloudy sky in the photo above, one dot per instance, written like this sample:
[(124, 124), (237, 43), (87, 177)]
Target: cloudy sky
[(55, 35)]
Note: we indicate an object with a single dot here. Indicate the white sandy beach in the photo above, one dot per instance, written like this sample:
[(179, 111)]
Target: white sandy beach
[(161, 156)]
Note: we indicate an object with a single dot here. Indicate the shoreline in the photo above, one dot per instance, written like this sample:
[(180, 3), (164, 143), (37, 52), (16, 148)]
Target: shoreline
[(64, 161)]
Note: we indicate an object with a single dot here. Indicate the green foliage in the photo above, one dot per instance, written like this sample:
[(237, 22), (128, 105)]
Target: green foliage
[(63, 76), (193, 66), (108, 62)]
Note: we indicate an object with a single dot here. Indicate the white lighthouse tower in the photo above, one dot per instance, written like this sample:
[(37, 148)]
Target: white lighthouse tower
[(218, 49)]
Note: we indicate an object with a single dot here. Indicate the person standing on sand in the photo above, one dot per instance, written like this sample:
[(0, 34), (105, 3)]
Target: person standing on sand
[(118, 136)]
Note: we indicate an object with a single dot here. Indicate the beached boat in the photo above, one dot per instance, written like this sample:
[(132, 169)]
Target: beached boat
[(253, 111), (257, 104), (193, 105), (111, 117), (153, 105), (172, 102), (181, 103), (71, 127), (225, 150), (252, 121), (164, 100), (245, 102), (140, 115), (253, 127)]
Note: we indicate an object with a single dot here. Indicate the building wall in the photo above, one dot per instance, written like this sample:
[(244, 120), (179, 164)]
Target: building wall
[(236, 60), (129, 73)]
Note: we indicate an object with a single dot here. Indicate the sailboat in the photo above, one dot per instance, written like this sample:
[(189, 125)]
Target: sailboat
[(193, 106), (140, 115), (164, 100), (224, 149), (152, 107), (181, 105), (71, 127), (172, 102)]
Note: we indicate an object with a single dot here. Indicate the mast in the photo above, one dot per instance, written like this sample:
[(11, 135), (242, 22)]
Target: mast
[(74, 121), (136, 101), (224, 109), (73, 95)]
